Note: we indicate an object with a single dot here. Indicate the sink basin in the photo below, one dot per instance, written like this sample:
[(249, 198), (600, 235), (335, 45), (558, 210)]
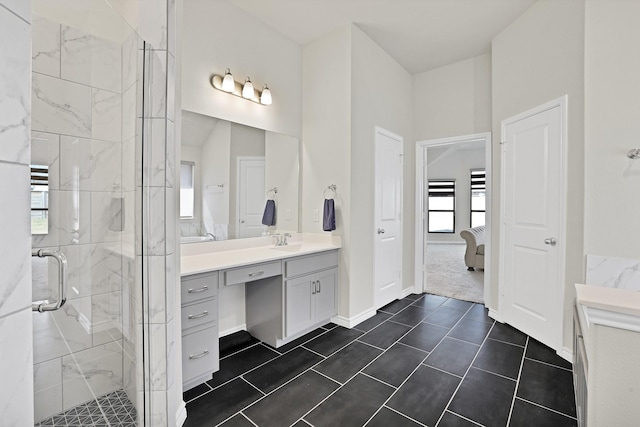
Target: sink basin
[(194, 239), (296, 247)]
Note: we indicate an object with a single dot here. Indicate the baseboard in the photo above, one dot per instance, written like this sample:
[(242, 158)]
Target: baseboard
[(408, 291), (230, 331), (429, 242), (350, 322), (566, 354), (181, 416)]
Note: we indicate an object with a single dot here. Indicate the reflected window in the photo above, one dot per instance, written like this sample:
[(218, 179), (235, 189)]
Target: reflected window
[(39, 199), (478, 202), (442, 205), (187, 192)]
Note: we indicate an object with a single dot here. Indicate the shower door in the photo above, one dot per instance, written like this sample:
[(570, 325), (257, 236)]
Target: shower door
[(86, 212)]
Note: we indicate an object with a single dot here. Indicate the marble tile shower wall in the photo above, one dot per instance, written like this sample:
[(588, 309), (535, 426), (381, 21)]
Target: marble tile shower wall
[(84, 129), (16, 356), (613, 272)]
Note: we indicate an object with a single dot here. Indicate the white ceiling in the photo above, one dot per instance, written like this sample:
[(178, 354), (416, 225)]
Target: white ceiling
[(419, 34)]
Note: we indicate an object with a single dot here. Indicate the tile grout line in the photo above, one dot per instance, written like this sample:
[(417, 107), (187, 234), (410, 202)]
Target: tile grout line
[(463, 417), (542, 362), (465, 374), (547, 408), (403, 415), (515, 391)]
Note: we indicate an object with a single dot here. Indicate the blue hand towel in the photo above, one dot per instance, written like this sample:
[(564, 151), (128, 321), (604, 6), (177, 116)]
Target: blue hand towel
[(269, 216), (329, 216)]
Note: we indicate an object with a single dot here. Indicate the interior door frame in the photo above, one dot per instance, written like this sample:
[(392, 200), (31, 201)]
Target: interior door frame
[(558, 299), (420, 274), (239, 161), (400, 140)]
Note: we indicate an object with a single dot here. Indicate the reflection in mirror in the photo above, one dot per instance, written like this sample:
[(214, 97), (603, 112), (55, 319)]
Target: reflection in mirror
[(233, 168)]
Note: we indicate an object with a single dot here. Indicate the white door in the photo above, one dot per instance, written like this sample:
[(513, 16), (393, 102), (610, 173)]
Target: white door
[(251, 197), (532, 229), (388, 217)]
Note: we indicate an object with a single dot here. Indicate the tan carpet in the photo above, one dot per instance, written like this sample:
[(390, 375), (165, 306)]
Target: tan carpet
[(447, 275)]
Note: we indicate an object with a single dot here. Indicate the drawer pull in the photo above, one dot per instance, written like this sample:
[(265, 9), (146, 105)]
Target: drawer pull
[(198, 356), (259, 273), (197, 316), (195, 291)]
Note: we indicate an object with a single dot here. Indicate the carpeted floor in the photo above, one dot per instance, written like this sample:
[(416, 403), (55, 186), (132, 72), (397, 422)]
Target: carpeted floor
[(447, 275)]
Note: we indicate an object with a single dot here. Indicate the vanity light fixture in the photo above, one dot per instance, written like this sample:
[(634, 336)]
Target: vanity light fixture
[(265, 98), (247, 90)]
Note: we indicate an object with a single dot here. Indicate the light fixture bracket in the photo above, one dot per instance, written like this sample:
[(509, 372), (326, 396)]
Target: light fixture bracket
[(216, 82)]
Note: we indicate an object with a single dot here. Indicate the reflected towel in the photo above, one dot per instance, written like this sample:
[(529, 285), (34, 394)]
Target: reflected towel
[(329, 216), (269, 216)]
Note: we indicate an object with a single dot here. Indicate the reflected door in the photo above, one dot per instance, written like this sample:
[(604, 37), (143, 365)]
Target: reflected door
[(251, 196)]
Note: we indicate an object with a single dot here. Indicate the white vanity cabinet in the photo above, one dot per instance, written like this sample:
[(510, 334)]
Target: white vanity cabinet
[(310, 291), (199, 313)]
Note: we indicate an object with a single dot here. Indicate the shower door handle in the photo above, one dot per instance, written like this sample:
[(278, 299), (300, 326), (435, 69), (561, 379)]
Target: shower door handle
[(62, 280)]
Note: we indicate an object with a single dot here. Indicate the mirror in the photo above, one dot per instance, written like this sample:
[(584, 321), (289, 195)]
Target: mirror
[(230, 171)]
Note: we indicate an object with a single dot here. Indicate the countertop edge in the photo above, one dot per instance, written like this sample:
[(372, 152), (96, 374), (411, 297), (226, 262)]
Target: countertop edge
[(619, 308)]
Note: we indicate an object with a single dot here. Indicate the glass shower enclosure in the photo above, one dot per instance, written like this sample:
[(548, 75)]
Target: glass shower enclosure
[(89, 80)]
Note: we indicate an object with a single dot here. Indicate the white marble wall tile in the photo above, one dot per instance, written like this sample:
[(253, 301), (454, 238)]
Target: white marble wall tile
[(45, 44), (157, 356), (100, 367), (48, 342), (60, 106), (89, 165), (105, 311), (91, 60), (171, 87), (158, 409), (613, 272), (129, 165), (45, 150), (47, 380), (156, 240), (157, 300), (16, 369), (74, 323), (155, 162), (129, 61), (171, 287), (106, 212), (15, 258), (129, 112), (69, 218), (106, 117), (15, 94), (19, 7), (152, 22), (42, 271), (75, 392), (170, 159), (171, 217), (157, 105), (170, 353)]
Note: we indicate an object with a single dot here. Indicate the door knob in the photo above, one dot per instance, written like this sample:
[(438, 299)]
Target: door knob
[(242, 221), (380, 230), (550, 241)]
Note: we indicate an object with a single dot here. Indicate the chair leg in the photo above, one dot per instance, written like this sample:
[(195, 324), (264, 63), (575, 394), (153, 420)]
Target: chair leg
[(470, 269)]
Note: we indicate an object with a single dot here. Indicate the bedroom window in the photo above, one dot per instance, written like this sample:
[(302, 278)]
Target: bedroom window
[(478, 201), (441, 217), (187, 196), (39, 199)]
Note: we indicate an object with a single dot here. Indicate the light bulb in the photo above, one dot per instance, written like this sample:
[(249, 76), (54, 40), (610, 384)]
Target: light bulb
[(227, 82), (247, 89), (265, 98)]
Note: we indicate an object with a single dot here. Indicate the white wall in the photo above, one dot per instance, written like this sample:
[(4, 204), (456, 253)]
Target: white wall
[(453, 100), (282, 150), (217, 36), (612, 127), (217, 152), (456, 164), (538, 58), (381, 95)]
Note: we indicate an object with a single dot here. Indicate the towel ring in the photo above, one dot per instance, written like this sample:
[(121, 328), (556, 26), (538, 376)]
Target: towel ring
[(332, 190), (271, 193)]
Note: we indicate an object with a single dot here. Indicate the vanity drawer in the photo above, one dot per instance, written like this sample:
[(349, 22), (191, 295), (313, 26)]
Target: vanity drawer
[(253, 272), (199, 287), (199, 353), (199, 314), (308, 264)]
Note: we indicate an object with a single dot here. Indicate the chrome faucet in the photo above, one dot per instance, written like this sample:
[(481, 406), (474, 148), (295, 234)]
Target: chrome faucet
[(281, 239), (211, 236)]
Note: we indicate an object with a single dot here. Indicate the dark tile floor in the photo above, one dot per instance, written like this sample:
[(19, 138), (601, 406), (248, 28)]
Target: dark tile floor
[(422, 361)]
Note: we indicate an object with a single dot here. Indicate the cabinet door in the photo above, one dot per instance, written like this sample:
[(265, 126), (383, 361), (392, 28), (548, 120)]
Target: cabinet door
[(326, 297), (300, 310)]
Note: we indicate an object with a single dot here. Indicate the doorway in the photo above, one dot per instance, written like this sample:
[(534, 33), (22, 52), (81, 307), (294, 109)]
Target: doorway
[(250, 196), (445, 147)]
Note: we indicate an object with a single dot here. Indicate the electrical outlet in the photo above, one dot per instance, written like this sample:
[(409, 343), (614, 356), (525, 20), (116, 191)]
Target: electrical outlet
[(316, 215)]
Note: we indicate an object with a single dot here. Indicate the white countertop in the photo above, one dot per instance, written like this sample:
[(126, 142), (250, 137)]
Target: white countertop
[(212, 256), (612, 307)]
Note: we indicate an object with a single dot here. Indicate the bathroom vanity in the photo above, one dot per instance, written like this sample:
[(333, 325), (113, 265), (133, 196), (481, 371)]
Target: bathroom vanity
[(606, 348), (289, 291)]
